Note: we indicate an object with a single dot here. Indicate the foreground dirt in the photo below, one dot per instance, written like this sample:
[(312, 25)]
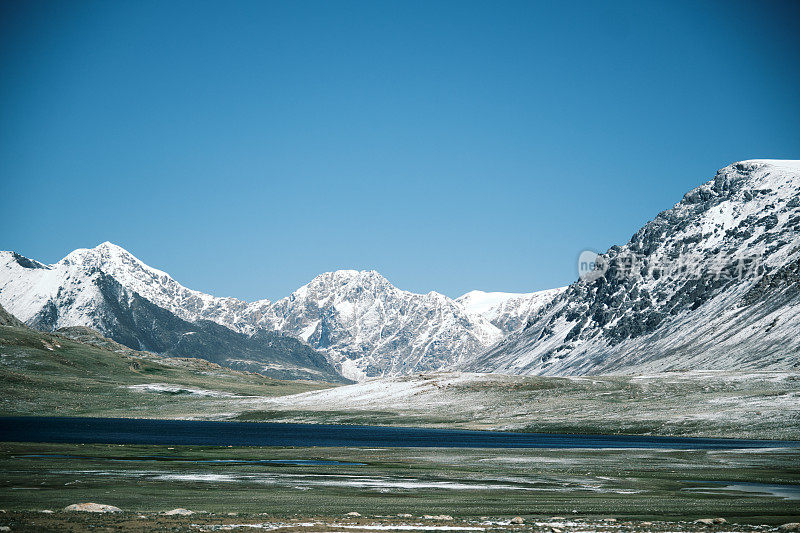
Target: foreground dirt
[(65, 521)]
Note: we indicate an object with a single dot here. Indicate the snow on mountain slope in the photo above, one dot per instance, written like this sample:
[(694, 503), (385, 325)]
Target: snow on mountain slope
[(28, 287), (654, 315), (368, 327), (364, 325), (159, 288), (7, 319), (692, 403), (27, 290), (507, 311), (480, 302), (80, 290), (713, 283)]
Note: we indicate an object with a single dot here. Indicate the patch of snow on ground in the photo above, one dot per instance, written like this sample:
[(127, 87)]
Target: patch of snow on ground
[(164, 388)]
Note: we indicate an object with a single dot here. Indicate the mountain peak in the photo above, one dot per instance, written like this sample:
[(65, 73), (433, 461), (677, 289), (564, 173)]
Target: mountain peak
[(111, 247), (347, 277), (114, 260), (362, 322), (710, 283), (481, 301), (791, 164)]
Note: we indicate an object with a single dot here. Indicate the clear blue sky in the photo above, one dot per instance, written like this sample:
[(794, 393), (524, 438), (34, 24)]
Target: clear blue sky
[(245, 147)]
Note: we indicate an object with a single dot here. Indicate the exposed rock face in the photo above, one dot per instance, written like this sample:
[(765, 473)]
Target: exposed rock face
[(710, 284), (371, 328), (507, 311), (361, 323), (78, 292), (179, 512)]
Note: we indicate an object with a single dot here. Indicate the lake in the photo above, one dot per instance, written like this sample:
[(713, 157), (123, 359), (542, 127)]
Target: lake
[(196, 432)]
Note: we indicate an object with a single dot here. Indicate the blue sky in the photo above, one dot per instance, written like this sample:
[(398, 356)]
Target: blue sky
[(245, 147)]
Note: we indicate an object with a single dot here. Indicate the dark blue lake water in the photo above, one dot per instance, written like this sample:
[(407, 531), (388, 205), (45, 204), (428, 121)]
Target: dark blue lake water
[(193, 432)]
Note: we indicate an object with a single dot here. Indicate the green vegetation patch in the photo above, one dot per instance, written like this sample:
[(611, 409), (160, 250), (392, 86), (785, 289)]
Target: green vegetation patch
[(51, 375), (631, 484)]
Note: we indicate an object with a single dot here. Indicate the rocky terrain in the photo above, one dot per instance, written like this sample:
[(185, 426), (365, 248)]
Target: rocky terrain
[(363, 325), (507, 311), (710, 284), (77, 291), (371, 328), (713, 283), (75, 371), (74, 521), (7, 319)]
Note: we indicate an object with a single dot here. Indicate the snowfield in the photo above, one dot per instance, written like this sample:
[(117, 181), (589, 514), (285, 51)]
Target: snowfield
[(164, 388)]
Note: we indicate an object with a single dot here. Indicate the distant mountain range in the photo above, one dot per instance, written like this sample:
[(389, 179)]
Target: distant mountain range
[(82, 290), (710, 283), (356, 323)]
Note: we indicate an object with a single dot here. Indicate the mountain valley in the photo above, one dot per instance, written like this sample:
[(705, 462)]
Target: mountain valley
[(710, 284)]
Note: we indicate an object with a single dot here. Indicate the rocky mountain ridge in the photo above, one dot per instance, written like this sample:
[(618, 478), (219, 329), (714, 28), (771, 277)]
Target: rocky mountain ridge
[(363, 325), (78, 291), (710, 284)]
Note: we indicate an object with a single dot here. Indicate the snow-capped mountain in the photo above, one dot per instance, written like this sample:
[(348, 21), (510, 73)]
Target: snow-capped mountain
[(710, 283), (713, 283), (505, 310), (86, 289), (368, 327), (362, 323), (28, 288)]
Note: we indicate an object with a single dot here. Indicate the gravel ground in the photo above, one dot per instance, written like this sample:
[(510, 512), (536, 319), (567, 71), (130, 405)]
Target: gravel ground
[(63, 521)]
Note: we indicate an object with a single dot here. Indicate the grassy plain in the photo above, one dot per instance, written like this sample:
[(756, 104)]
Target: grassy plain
[(279, 489), (742, 486), (44, 374)]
